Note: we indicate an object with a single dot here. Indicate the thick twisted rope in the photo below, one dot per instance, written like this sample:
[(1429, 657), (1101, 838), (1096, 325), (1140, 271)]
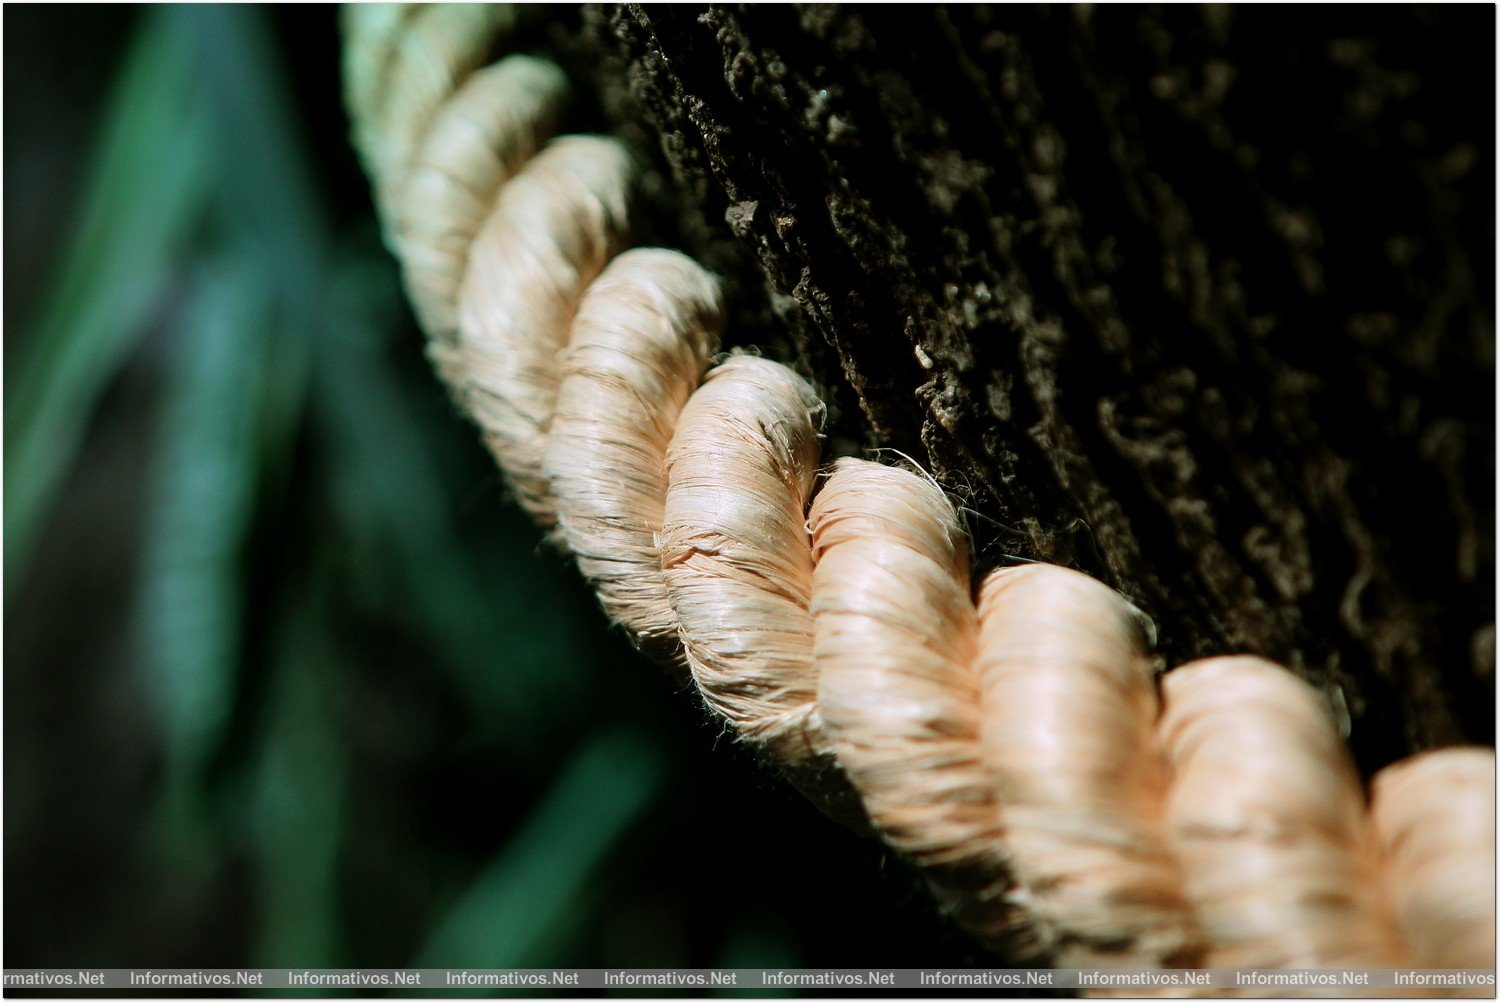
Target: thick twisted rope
[(1062, 804)]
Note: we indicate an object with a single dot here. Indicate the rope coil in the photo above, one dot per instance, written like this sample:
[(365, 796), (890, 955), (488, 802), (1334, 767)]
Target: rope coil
[(1062, 806)]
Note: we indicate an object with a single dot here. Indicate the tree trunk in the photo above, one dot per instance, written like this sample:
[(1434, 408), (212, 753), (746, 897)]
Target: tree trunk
[(1196, 300)]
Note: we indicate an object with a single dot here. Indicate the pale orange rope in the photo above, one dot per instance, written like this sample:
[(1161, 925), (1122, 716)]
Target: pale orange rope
[(1062, 805)]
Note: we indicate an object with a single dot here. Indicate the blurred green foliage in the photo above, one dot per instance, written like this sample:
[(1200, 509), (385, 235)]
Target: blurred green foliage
[(202, 177), (143, 194), (285, 684)]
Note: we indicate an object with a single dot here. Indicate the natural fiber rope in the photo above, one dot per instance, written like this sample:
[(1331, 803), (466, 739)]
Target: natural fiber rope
[(1063, 806)]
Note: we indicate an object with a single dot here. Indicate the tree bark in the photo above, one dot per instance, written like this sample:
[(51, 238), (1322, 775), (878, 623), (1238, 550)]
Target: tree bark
[(1197, 300)]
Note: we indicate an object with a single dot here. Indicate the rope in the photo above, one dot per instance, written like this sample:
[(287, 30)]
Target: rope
[(1063, 806)]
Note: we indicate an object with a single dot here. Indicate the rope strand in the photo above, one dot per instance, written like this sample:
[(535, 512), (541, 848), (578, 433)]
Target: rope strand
[(1434, 815), (643, 334), (896, 638), (1069, 710), (1270, 823)]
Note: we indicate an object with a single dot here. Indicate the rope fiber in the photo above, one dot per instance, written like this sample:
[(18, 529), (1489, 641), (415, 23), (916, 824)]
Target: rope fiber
[(1064, 805)]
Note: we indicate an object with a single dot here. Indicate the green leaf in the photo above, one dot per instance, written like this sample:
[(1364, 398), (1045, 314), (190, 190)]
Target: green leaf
[(378, 451), (525, 906), (193, 587), (144, 193), (297, 811), (268, 194), (504, 632)]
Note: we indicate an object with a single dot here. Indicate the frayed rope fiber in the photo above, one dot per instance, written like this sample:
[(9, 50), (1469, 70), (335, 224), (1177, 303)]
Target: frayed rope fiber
[(1063, 805)]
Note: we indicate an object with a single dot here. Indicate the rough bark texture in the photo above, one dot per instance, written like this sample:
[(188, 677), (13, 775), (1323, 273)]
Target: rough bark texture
[(1197, 300)]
